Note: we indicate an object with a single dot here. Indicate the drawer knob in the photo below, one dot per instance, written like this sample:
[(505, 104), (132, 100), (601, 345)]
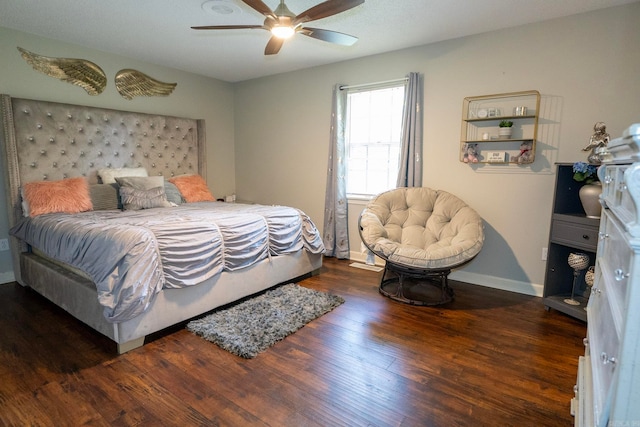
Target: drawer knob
[(602, 235), (585, 236), (585, 341), (608, 179), (619, 274), (606, 359)]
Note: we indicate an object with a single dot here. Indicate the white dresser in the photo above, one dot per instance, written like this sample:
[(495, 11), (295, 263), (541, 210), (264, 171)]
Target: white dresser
[(608, 385)]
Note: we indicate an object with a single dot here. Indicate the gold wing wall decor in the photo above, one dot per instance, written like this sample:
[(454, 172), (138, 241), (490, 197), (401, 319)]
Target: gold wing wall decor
[(131, 83), (79, 72)]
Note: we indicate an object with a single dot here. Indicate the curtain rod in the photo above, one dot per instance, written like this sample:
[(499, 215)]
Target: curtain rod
[(404, 79)]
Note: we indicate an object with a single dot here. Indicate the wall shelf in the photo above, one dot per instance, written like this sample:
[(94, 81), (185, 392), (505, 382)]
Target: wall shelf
[(481, 116)]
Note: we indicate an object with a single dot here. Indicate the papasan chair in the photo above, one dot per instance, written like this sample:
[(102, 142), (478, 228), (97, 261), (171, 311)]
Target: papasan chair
[(421, 234)]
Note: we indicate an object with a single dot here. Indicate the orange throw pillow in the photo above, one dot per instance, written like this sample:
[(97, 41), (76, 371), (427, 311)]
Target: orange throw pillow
[(193, 188), (68, 195)]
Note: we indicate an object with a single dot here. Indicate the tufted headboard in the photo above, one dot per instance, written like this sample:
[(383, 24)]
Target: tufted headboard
[(43, 140)]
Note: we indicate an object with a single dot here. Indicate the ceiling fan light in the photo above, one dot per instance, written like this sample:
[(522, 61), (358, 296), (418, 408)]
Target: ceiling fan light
[(283, 32)]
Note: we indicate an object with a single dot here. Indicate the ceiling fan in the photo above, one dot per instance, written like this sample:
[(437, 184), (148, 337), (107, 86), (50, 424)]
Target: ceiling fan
[(282, 23)]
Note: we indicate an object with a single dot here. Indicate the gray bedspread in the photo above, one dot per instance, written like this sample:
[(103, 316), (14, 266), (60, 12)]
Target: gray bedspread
[(133, 255)]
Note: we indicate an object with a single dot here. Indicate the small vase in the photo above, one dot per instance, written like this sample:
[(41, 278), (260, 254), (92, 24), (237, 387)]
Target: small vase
[(590, 198)]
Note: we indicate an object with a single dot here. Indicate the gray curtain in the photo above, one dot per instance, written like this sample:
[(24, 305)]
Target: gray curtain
[(336, 231), (410, 170)]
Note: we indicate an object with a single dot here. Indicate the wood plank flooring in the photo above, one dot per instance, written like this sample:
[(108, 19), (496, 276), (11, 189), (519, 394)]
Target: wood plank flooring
[(489, 358)]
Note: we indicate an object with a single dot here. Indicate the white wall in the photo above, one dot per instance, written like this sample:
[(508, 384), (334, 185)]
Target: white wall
[(194, 97), (585, 67)]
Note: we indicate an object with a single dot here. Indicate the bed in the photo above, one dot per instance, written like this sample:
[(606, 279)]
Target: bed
[(143, 277)]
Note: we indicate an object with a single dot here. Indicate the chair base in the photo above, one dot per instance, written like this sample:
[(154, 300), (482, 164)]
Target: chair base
[(416, 286)]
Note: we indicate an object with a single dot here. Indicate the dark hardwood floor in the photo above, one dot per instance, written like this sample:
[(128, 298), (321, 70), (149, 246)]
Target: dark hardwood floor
[(489, 358)]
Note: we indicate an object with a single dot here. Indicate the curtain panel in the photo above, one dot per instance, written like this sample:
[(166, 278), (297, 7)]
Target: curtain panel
[(336, 230), (410, 170)]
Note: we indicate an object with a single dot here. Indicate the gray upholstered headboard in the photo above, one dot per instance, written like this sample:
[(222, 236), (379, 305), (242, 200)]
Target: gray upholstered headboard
[(43, 140)]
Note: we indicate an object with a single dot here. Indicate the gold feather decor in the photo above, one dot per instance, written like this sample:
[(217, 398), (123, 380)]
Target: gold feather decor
[(79, 72), (131, 83)]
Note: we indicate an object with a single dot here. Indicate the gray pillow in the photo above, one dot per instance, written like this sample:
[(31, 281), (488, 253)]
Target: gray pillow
[(104, 197), (134, 199), (141, 183), (142, 192), (172, 193)]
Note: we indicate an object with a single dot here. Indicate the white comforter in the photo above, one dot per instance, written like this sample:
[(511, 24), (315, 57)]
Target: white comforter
[(132, 255)]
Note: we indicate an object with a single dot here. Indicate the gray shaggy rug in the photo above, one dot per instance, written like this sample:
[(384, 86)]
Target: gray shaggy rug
[(254, 325)]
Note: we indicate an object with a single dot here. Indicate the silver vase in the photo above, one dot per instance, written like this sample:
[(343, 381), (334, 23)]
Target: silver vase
[(578, 261), (590, 198)]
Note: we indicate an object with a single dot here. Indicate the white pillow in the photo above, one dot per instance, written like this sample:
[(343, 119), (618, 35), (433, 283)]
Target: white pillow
[(109, 175)]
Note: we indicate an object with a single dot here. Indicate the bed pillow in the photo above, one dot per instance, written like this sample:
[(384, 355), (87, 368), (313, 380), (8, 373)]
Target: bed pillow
[(142, 192), (193, 188), (69, 195), (172, 193), (134, 199), (109, 175), (104, 197), (25, 204)]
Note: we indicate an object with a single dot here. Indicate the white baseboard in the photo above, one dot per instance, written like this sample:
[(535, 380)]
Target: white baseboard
[(360, 257), (476, 279), (497, 283), (363, 266), (7, 277)]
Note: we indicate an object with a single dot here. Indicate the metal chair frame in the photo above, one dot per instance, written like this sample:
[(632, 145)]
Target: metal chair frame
[(394, 284)]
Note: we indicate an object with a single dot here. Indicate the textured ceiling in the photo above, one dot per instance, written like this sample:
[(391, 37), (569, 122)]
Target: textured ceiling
[(158, 31)]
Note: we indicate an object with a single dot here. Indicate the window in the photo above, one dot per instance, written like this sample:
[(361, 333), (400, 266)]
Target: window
[(372, 135)]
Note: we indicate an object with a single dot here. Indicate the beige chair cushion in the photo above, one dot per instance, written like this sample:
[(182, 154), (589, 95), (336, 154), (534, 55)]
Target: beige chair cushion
[(422, 228)]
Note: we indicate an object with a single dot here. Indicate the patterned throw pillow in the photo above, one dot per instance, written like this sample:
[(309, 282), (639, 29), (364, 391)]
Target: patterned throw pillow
[(142, 192), (134, 199)]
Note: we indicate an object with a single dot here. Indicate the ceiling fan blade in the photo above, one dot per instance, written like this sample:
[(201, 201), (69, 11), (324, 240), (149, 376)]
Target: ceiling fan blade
[(325, 9), (274, 45), (260, 7), (229, 27), (329, 36)]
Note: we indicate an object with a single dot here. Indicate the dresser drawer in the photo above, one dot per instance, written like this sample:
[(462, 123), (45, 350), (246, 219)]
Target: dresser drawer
[(613, 176), (615, 261), (574, 235), (616, 193), (603, 348)]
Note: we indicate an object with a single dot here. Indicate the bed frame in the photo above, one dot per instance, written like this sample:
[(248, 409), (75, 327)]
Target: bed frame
[(50, 141)]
